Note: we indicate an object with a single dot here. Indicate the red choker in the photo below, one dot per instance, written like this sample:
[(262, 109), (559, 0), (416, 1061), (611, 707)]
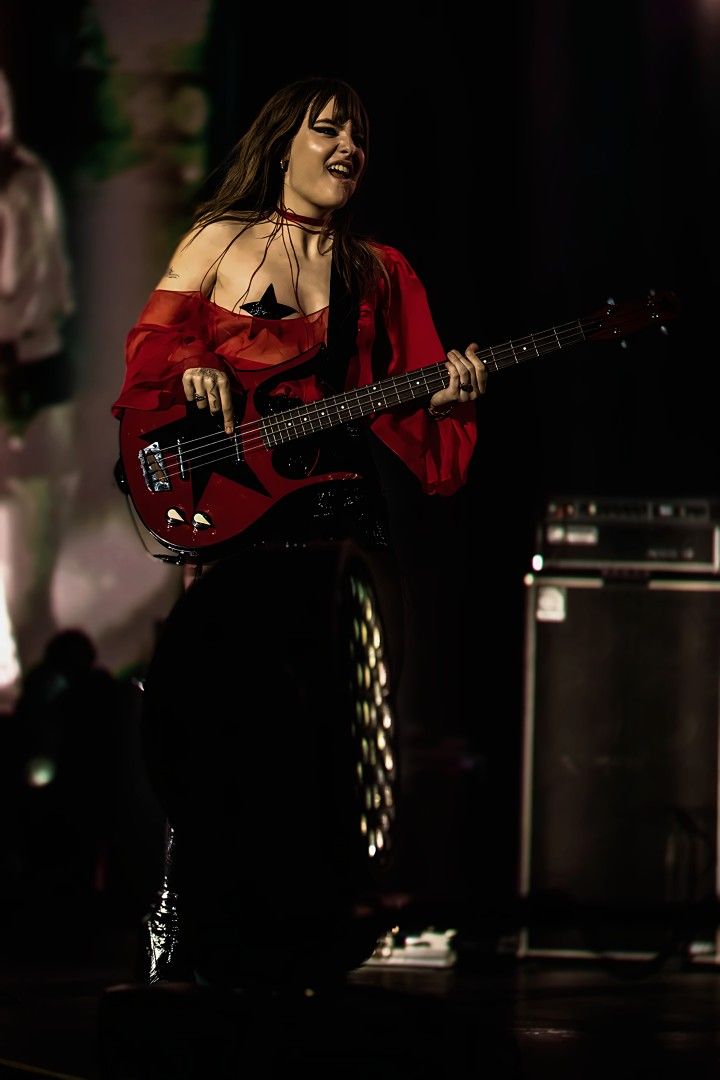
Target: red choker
[(289, 216)]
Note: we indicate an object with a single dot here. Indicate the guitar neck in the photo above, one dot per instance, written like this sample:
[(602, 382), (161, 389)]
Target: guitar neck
[(387, 393)]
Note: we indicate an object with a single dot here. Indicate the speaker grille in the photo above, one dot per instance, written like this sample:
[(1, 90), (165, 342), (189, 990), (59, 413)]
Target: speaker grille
[(620, 759)]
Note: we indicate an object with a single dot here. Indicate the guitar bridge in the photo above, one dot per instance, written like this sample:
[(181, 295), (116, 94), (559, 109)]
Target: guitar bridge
[(153, 468)]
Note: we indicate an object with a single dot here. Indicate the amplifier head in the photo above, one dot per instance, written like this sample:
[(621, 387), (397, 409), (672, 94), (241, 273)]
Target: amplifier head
[(641, 533)]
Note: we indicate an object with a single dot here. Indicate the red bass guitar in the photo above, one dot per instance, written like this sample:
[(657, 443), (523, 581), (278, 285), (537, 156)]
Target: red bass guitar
[(196, 489)]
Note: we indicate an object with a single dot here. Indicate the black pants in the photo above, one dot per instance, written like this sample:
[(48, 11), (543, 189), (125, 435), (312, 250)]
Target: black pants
[(252, 746)]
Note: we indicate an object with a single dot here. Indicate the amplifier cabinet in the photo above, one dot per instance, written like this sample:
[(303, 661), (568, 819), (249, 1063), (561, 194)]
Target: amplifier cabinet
[(619, 763)]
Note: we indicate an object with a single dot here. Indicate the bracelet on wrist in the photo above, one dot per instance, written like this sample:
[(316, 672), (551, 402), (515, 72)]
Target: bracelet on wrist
[(439, 413)]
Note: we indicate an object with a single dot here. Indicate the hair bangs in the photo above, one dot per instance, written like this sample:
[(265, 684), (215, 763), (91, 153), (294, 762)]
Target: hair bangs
[(348, 106)]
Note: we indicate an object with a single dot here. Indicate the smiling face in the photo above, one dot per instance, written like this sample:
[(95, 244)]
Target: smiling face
[(325, 163)]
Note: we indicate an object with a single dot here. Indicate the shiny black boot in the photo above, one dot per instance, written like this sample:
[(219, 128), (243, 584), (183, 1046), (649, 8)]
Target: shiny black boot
[(163, 952)]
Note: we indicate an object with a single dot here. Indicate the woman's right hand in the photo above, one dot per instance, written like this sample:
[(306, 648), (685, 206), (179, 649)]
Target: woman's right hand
[(210, 388)]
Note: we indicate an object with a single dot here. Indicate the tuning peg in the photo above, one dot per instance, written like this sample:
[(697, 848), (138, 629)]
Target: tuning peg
[(624, 343), (611, 301), (664, 330)]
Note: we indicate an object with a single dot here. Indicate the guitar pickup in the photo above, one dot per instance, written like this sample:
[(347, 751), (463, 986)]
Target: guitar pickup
[(153, 468)]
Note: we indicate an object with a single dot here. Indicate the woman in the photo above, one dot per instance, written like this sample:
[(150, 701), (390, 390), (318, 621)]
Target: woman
[(272, 281)]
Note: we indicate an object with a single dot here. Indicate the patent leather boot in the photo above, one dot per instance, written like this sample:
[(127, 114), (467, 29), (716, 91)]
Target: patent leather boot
[(163, 953)]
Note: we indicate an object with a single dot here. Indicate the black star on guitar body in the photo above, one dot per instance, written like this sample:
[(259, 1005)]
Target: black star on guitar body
[(195, 428)]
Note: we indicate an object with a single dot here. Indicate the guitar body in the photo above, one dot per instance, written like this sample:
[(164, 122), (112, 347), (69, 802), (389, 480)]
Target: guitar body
[(200, 489)]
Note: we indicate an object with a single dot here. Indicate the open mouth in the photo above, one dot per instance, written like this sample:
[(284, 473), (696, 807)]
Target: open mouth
[(340, 172)]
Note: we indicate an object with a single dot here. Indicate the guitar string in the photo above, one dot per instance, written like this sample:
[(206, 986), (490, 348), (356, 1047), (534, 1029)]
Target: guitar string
[(511, 348), (549, 335), (496, 360), (504, 355), (270, 426), (280, 424)]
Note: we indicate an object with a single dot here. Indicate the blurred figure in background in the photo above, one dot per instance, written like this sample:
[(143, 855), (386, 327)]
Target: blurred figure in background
[(66, 721), (35, 426)]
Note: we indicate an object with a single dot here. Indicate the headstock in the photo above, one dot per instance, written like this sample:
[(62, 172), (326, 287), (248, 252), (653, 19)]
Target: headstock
[(614, 321)]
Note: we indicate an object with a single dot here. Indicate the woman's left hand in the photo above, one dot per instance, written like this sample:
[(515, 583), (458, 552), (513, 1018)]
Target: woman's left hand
[(468, 378)]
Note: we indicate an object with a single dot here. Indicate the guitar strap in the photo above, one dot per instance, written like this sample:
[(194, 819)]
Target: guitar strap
[(361, 502), (342, 331)]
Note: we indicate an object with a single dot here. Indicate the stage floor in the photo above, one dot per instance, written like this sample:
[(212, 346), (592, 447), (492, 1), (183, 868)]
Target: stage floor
[(81, 1015)]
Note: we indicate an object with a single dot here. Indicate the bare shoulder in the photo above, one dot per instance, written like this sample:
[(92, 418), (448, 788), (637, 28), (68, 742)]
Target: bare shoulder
[(193, 265)]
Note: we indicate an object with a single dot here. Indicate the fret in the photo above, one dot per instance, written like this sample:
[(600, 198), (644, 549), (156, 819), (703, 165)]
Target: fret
[(323, 419), (524, 348), (532, 342), (266, 434), (375, 389), (419, 385), (423, 382)]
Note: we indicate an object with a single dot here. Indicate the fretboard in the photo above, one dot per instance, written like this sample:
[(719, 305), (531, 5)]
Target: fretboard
[(387, 393)]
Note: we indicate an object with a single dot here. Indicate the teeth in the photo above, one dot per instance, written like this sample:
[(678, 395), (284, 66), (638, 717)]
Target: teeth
[(343, 170)]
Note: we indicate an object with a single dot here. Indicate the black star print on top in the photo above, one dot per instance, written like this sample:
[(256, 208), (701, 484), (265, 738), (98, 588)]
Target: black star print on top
[(267, 306)]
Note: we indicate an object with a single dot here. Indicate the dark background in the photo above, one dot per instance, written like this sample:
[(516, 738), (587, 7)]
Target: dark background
[(530, 166)]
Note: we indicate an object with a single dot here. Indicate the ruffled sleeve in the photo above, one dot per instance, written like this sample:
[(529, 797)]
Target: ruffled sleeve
[(438, 452), (170, 336)]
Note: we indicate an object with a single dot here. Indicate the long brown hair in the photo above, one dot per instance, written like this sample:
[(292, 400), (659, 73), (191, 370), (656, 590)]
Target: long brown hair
[(251, 183)]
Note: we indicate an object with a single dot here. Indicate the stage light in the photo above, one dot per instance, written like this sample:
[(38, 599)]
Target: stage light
[(39, 772)]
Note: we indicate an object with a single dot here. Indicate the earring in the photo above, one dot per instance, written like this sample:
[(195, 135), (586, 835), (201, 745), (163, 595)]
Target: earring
[(284, 165)]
